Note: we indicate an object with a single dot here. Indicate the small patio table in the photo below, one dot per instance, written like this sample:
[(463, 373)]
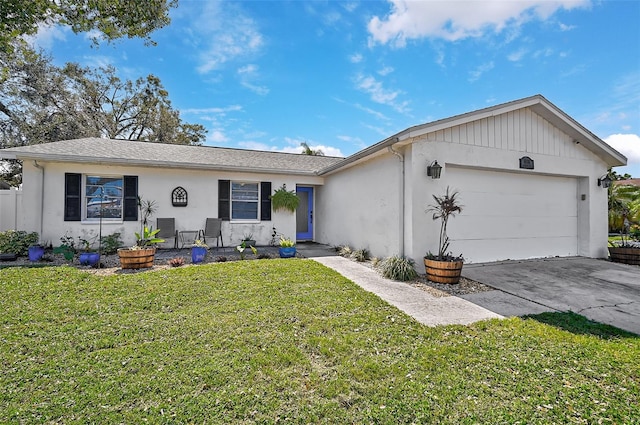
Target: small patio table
[(187, 237)]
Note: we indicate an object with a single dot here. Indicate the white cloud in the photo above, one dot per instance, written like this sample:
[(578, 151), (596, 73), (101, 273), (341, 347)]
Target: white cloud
[(480, 69), (217, 136), (293, 147), (224, 33), (517, 55), (247, 76), (47, 35), (379, 94), (356, 58), (564, 27), (386, 70), (626, 144), (454, 20)]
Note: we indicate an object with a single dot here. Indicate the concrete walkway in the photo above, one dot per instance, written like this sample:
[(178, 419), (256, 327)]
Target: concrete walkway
[(415, 302)]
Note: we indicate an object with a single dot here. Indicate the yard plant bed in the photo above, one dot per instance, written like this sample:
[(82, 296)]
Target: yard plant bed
[(288, 341)]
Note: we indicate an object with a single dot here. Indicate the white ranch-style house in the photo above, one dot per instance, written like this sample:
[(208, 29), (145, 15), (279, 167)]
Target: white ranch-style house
[(528, 176)]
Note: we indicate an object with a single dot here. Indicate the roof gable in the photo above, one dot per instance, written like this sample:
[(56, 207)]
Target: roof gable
[(537, 104)]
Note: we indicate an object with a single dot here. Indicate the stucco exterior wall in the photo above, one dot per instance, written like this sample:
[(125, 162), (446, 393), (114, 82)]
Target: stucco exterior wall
[(153, 184), (359, 207)]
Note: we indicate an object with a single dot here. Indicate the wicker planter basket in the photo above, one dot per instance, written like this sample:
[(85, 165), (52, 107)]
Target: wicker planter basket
[(625, 255), (136, 258), (443, 271)]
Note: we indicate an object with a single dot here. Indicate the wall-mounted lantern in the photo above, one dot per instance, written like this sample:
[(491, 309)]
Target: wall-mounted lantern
[(434, 169), (605, 181)]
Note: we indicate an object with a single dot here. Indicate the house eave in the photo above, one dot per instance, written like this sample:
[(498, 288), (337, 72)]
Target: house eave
[(154, 164)]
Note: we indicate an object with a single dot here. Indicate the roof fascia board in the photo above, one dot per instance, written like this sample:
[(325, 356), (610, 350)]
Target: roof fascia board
[(155, 164)]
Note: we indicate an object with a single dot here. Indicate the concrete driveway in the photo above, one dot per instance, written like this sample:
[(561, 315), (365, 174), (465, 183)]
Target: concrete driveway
[(600, 290)]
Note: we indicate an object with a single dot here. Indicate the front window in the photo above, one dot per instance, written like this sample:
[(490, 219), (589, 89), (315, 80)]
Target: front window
[(103, 197), (244, 201)]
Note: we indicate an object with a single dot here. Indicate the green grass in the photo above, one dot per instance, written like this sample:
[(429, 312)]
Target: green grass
[(289, 341)]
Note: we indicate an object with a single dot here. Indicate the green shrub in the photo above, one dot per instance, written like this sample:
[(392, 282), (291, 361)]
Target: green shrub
[(111, 243), (397, 268), (360, 255), (17, 242), (345, 251)]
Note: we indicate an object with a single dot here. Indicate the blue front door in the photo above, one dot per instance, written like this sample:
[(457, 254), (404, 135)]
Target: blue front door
[(304, 214)]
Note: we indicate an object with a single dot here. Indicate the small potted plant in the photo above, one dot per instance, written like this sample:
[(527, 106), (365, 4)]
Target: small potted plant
[(67, 247), (287, 248), (36, 252), (142, 254), (248, 240), (444, 267), (88, 256), (198, 251)]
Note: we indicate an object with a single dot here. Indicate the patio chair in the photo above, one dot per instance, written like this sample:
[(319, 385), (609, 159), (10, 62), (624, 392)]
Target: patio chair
[(213, 229), (168, 230)]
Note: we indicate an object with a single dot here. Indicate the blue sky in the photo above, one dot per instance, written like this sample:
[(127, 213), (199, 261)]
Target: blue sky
[(341, 76)]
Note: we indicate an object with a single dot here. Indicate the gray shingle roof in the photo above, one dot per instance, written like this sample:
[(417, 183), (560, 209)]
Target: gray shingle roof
[(129, 152)]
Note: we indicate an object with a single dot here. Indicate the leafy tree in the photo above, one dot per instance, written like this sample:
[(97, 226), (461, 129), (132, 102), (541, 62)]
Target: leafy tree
[(111, 19), (133, 110), (624, 206), (306, 150), (616, 176), (41, 103)]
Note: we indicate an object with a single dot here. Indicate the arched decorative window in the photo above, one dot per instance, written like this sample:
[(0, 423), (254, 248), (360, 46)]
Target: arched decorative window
[(179, 197)]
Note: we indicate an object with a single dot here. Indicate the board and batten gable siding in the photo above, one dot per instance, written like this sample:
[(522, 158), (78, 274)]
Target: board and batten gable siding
[(522, 131)]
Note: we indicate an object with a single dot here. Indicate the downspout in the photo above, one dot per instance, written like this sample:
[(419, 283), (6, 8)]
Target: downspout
[(41, 168), (401, 208)]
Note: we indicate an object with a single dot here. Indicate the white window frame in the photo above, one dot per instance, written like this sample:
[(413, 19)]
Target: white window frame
[(232, 200), (85, 202)]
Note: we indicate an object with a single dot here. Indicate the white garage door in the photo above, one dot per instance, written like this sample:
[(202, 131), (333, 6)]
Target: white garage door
[(513, 216)]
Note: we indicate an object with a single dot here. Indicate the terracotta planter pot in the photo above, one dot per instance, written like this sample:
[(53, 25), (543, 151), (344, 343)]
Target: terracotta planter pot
[(136, 258), (625, 255), (443, 271)]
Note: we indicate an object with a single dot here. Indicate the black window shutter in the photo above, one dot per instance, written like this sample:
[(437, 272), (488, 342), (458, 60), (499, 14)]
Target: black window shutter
[(72, 198), (265, 201), (224, 195), (130, 198)]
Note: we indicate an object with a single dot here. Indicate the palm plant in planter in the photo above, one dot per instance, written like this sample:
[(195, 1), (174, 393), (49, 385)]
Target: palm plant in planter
[(444, 267), (287, 248), (142, 254)]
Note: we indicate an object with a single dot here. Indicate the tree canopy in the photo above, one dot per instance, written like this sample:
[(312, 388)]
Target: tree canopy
[(40, 103), (306, 150), (111, 19)]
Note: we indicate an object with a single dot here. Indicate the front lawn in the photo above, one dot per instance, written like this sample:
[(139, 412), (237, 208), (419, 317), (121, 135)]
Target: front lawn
[(271, 341)]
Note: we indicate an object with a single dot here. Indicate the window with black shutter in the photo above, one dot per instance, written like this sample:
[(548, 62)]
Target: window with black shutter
[(265, 201), (224, 206), (130, 198), (72, 199)]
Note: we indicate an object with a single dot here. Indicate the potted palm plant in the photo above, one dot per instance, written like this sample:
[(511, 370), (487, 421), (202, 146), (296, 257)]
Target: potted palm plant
[(444, 267), (142, 254), (287, 248)]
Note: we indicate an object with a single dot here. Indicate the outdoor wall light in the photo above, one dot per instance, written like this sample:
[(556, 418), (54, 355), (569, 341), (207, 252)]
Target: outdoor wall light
[(434, 170), (605, 181)]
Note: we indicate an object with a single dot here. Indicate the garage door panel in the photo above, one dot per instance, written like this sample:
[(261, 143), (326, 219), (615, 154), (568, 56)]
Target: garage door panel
[(513, 215), (502, 205), (467, 227), (513, 249)]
